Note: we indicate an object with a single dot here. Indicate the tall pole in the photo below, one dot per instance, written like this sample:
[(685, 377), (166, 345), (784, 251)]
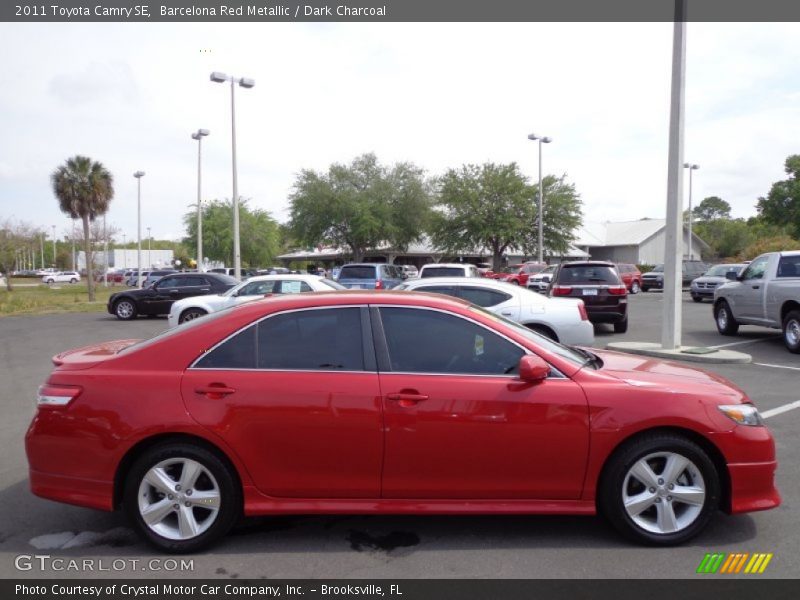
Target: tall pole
[(105, 252), (42, 238), (673, 244), (149, 240), (540, 209), (199, 137), (237, 258), (139, 175), (54, 246), (124, 252), (691, 168), (73, 245)]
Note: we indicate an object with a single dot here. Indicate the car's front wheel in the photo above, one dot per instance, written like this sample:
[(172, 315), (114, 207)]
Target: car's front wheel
[(635, 287), (125, 309), (181, 497), (621, 326), (791, 331), (726, 322), (191, 314), (660, 489), (697, 298), (73, 280)]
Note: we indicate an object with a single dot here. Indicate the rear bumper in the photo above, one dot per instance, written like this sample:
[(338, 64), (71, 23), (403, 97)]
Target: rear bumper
[(580, 334), (607, 314), (72, 490)]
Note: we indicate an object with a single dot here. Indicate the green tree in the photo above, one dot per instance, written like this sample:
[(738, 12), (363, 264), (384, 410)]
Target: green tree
[(782, 204), (774, 244), (84, 189), (360, 206), (258, 233), (727, 238), (493, 207), (712, 208), (13, 237)]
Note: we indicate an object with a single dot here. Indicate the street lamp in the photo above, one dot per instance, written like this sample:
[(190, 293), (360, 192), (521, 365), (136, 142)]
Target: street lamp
[(149, 260), (691, 167), (54, 245), (541, 140), (218, 77), (139, 175), (199, 137)]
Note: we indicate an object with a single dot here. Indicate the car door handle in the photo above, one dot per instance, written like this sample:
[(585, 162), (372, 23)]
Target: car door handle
[(505, 313), (215, 391), (755, 287), (407, 400)]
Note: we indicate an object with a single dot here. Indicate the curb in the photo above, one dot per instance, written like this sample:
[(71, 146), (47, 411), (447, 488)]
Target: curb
[(652, 349)]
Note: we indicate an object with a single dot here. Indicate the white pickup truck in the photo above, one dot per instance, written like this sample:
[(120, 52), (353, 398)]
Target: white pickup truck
[(766, 293)]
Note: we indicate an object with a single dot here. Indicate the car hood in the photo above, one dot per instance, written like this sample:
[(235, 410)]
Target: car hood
[(653, 275), (645, 371), (711, 279)]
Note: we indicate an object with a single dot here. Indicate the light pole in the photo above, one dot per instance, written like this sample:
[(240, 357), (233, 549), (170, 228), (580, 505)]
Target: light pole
[(73, 245), (139, 175), (105, 253), (149, 240), (54, 246), (124, 253), (541, 140), (43, 234), (691, 167), (218, 77), (199, 135)]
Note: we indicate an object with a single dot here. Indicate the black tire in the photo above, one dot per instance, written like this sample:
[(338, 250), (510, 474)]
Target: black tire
[(621, 326), (616, 482), (73, 280), (723, 317), (190, 314), (230, 494), (697, 298), (791, 331), (125, 309), (514, 282), (543, 330), (635, 287), (50, 281), (645, 288)]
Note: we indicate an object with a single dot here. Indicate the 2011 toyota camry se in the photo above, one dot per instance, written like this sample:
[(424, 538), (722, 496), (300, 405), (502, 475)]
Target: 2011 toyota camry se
[(384, 402)]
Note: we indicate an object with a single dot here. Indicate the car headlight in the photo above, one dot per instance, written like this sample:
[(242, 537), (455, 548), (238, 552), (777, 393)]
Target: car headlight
[(742, 414)]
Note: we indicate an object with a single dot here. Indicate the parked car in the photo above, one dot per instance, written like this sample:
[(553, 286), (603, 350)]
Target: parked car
[(158, 298), (766, 293), (273, 271), (449, 270), (410, 271), (370, 276), (562, 320), (704, 286), (231, 272), (398, 403), (254, 288), (600, 287), (152, 276), (133, 278), (539, 282), (690, 269), (62, 277), (519, 274), (631, 277)]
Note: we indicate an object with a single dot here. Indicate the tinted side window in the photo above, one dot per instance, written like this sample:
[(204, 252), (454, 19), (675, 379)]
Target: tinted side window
[(483, 297), (257, 288), (239, 352), (192, 281), (168, 282), (357, 272), (426, 341), (328, 339), (755, 270), (789, 266), (437, 289)]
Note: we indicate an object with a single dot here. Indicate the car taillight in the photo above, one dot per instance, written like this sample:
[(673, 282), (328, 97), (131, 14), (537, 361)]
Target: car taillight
[(582, 311), (379, 285), (562, 290), (56, 396), (617, 290)]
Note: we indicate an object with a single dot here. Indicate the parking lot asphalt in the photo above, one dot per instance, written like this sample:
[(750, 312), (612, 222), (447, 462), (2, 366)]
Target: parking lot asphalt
[(391, 546)]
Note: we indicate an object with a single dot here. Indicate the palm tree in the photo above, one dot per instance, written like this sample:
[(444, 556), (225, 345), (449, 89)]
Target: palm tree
[(84, 190)]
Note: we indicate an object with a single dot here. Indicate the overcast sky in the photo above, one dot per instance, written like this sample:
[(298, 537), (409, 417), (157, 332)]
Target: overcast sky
[(438, 95)]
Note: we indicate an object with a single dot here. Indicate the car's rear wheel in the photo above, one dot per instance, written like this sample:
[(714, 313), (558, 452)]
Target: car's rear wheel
[(645, 288), (514, 282), (125, 309), (791, 331), (49, 281), (191, 314), (660, 489), (181, 497), (621, 326), (73, 280), (726, 322), (697, 298), (635, 287)]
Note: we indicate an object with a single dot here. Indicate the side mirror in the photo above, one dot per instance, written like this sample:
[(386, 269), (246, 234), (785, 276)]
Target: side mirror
[(731, 276), (533, 369)]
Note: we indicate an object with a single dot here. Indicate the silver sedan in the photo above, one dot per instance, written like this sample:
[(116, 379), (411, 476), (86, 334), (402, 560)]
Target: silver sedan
[(561, 319)]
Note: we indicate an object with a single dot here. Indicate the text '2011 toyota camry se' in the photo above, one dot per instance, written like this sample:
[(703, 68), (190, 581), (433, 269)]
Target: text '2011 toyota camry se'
[(384, 402)]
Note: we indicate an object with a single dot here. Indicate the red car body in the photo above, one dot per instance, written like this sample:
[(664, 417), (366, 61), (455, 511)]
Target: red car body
[(380, 441), (631, 277), (521, 273)]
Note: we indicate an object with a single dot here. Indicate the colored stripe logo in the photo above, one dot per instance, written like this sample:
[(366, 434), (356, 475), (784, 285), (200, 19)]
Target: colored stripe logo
[(735, 562)]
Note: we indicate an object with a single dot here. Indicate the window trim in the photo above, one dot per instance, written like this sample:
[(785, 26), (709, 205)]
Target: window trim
[(367, 348)]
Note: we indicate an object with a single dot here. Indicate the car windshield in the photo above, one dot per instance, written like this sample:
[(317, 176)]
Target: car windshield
[(565, 352), (443, 272), (658, 269), (332, 284), (357, 272), (588, 274), (720, 270)]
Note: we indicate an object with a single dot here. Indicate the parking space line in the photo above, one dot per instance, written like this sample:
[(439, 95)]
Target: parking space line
[(745, 342), (777, 366), (780, 409)]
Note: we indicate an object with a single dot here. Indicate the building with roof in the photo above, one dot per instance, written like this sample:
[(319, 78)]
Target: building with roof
[(635, 242)]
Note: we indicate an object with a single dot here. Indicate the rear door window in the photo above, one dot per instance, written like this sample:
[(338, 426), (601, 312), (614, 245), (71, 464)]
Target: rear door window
[(482, 296)]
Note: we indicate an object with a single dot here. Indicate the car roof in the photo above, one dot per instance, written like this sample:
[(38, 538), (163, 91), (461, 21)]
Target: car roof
[(593, 263), (448, 265), (275, 276), (464, 281)]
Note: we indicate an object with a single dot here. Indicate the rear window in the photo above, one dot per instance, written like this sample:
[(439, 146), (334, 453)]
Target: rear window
[(587, 275), (357, 272), (442, 272)]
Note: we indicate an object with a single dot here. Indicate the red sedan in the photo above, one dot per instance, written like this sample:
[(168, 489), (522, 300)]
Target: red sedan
[(382, 402)]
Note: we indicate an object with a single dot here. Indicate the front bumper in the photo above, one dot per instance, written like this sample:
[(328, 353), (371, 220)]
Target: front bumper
[(653, 283)]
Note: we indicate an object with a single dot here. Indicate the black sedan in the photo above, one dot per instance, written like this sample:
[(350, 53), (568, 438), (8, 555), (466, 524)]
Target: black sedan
[(158, 298)]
